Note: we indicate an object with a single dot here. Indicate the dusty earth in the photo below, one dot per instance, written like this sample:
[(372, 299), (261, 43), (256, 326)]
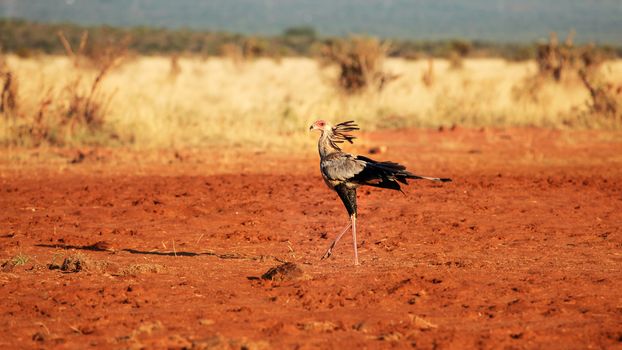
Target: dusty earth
[(111, 248)]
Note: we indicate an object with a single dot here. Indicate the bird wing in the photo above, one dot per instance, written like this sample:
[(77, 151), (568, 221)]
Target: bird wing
[(380, 174), (340, 167)]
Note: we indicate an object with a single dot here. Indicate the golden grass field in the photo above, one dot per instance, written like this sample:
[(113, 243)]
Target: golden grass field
[(151, 103)]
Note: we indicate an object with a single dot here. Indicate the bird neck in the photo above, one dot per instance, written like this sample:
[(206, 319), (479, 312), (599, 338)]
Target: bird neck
[(326, 146)]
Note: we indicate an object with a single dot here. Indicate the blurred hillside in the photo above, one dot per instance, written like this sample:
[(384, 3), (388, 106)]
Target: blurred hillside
[(487, 20)]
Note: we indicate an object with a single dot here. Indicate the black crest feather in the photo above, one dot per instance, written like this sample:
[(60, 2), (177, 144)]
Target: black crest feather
[(340, 132)]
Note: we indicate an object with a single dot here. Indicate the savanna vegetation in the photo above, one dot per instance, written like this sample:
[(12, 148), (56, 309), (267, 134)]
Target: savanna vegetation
[(69, 85)]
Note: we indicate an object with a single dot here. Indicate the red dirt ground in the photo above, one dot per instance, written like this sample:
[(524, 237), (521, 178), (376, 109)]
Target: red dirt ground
[(522, 250)]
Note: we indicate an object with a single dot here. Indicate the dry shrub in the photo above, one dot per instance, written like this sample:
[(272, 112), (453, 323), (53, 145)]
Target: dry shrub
[(360, 62), (553, 59), (232, 52), (252, 48), (428, 75), (458, 52), (564, 61), (606, 97), (87, 107), (245, 51), (8, 92), (455, 61), (175, 68), (73, 106), (9, 105), (565, 67)]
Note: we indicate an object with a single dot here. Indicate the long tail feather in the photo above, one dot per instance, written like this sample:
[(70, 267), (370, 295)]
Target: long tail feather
[(440, 179)]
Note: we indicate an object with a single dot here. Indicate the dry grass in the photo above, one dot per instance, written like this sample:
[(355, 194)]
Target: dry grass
[(263, 103)]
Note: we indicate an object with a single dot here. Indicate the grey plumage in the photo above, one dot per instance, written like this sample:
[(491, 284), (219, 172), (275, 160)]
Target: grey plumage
[(344, 172)]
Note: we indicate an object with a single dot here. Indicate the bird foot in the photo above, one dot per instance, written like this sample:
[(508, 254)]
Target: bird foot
[(328, 253)]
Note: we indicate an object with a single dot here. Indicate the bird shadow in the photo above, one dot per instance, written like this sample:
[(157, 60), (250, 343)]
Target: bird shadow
[(143, 252), (98, 247), (92, 247)]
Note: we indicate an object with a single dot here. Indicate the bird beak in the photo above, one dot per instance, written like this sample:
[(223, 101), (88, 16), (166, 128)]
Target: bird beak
[(311, 127)]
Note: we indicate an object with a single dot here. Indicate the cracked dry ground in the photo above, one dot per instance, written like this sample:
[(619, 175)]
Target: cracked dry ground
[(136, 250)]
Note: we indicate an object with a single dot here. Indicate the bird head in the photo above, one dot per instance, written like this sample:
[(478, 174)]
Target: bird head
[(321, 125)]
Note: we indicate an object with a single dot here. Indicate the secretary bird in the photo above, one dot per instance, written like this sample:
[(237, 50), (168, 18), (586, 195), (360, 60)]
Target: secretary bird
[(344, 172)]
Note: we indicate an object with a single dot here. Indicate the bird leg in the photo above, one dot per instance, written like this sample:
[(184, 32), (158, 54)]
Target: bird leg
[(329, 252), (356, 253), (348, 197)]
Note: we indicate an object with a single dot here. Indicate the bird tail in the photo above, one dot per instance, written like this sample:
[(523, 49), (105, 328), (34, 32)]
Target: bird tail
[(388, 174), (401, 174), (417, 177)]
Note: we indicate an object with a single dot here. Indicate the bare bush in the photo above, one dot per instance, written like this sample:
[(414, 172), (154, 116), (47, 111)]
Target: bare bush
[(606, 97), (175, 68), (66, 107), (428, 75), (559, 61), (82, 104), (360, 62), (458, 52), (8, 93), (232, 52), (244, 51), (552, 58)]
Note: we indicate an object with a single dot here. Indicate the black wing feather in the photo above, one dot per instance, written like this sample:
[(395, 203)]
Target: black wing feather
[(386, 174), (341, 167)]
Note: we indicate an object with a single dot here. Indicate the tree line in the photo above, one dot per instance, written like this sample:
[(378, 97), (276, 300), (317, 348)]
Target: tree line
[(27, 38)]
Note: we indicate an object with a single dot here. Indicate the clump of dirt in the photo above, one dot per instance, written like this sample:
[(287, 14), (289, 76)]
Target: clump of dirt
[(7, 266), (18, 260), (137, 269), (79, 262), (286, 272)]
